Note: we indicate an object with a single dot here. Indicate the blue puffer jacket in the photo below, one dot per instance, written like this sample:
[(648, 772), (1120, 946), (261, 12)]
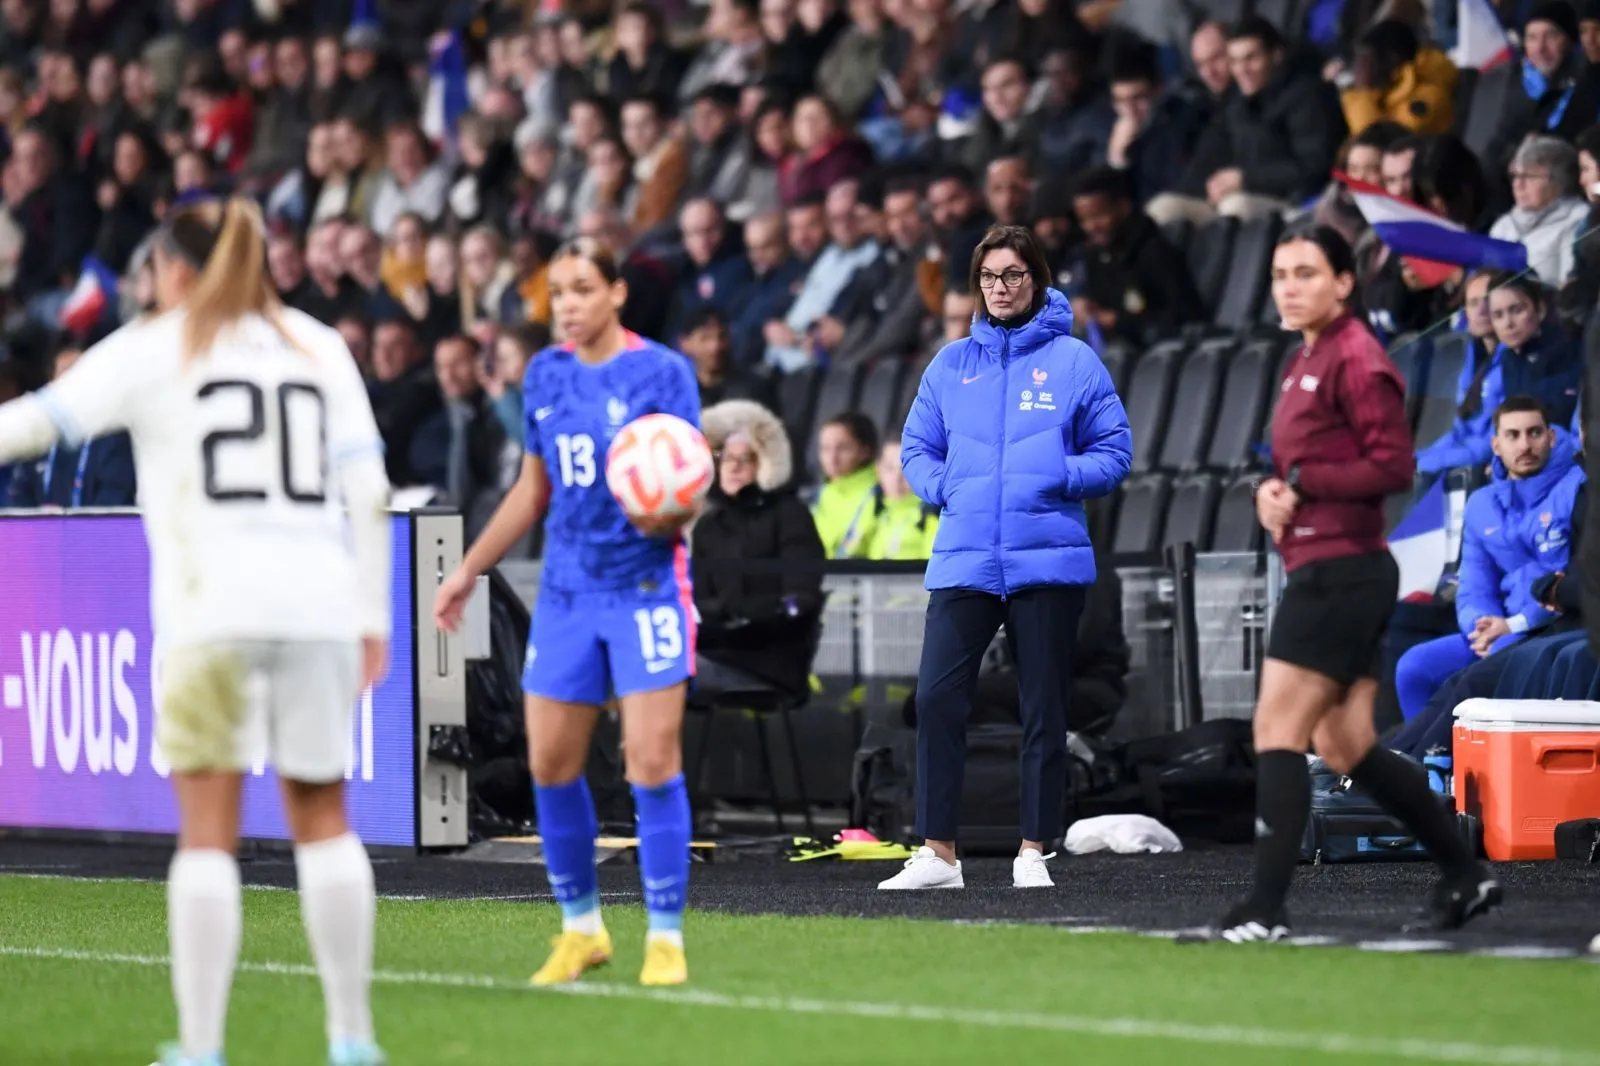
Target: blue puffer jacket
[(1513, 533), (1011, 429)]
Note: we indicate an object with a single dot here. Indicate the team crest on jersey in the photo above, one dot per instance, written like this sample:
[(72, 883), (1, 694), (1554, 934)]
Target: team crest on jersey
[(617, 411)]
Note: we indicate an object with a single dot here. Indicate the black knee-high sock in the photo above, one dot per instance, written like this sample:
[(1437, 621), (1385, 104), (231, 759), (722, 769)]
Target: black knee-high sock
[(1283, 804), (1401, 788)]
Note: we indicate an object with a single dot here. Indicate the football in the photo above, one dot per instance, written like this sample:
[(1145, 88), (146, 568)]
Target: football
[(659, 465)]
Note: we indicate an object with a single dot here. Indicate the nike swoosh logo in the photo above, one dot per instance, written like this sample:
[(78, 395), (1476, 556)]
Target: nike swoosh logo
[(657, 886), (660, 665), (543, 413), (969, 381)]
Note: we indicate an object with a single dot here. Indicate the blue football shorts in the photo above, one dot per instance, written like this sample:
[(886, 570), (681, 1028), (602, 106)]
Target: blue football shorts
[(588, 647)]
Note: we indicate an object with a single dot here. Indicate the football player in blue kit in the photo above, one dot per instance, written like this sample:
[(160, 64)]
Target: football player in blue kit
[(614, 615)]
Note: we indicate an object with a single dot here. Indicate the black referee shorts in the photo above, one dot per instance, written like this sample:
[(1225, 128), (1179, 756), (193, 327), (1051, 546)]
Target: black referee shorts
[(1333, 615)]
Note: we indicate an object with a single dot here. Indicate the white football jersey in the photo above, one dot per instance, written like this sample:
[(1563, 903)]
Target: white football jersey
[(237, 453)]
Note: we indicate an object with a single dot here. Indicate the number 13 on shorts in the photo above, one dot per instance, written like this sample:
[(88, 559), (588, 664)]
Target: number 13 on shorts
[(654, 650)]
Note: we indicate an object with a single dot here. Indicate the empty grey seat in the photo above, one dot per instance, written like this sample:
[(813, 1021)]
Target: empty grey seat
[(1436, 412), (1192, 511), (1246, 396), (1411, 353), (1141, 514), (1194, 406), (1148, 400), (1248, 273), (1208, 253), (837, 395), (1236, 528), (1117, 356), (880, 393), (797, 400), (908, 392)]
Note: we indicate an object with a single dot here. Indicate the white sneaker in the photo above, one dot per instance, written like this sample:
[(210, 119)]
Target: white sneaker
[(1029, 871), (925, 870)]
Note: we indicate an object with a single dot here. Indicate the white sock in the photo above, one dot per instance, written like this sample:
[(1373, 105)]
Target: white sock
[(203, 923), (671, 936), (339, 904), (588, 922)]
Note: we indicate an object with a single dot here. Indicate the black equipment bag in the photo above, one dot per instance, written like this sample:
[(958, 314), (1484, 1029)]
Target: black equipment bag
[(1579, 840), (1348, 826)]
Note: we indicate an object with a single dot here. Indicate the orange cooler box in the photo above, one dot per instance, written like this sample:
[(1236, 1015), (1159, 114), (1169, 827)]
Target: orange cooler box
[(1525, 766)]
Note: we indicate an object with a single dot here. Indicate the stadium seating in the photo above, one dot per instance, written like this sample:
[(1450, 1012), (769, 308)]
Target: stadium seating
[(880, 392), (1199, 382), (1248, 272), (1436, 406), (1246, 396), (1148, 399), (1142, 514), (1209, 251), (1192, 511), (841, 385), (1236, 528)]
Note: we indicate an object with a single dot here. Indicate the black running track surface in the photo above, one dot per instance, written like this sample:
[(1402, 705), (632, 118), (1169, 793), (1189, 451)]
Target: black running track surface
[(1551, 907)]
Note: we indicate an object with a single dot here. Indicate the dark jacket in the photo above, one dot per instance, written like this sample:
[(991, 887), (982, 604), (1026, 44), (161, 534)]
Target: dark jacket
[(761, 621), (53, 480), (401, 408), (1284, 138), (1564, 590), (1158, 156), (1145, 280)]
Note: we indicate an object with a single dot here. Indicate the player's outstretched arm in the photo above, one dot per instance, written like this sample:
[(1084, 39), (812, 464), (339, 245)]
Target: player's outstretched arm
[(517, 513), (26, 430)]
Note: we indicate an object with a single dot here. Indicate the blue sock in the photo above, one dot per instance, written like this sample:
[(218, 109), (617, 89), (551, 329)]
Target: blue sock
[(664, 828), (567, 824)]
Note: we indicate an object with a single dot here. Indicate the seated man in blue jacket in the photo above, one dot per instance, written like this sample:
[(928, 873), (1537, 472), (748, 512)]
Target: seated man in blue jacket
[(97, 473), (1516, 530)]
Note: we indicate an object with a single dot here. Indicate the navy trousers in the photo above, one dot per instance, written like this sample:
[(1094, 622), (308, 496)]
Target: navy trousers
[(1042, 628)]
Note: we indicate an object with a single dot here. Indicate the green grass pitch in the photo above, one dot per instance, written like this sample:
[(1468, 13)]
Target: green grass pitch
[(83, 982)]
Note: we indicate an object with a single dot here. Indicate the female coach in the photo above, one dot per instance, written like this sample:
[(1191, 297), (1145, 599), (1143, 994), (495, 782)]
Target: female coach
[(1340, 444), (1012, 429)]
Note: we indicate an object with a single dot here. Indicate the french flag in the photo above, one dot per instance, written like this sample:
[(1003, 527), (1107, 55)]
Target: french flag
[(90, 299), (1421, 544), (448, 96), (1481, 41), (1433, 246)]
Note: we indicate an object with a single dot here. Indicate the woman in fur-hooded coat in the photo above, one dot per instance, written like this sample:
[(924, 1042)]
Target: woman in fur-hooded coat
[(757, 621)]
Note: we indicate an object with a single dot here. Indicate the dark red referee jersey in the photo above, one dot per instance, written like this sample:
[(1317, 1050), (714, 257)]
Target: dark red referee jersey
[(1341, 418)]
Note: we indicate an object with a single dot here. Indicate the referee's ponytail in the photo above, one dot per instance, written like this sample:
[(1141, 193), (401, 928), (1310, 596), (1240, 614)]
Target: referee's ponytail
[(224, 244), (1340, 258)]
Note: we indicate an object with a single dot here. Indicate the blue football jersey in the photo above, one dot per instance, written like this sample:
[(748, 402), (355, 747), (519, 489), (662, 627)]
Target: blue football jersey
[(572, 410)]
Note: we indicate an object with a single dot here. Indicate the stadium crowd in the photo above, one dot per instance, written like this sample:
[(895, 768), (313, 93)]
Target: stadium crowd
[(794, 189)]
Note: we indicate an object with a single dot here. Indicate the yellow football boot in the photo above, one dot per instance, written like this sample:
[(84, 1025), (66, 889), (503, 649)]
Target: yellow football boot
[(573, 953), (664, 963)]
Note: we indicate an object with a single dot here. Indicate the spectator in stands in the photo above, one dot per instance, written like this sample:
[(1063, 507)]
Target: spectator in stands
[(1362, 160), (643, 65), (513, 350), (357, 333), (825, 152), (1004, 128), (1136, 285), (464, 450), (1155, 131), (404, 395), (56, 219), (649, 280), (760, 621), (808, 325), (847, 444), (774, 278), (1553, 93), (884, 307), (1399, 80), (1549, 207), (903, 527), (715, 275), (958, 220), (413, 182), (660, 162), (705, 340), (1008, 190), (1074, 117), (224, 118), (719, 169), (1027, 570), (1272, 144), (1475, 320), (97, 473), (761, 155), (958, 311), (1531, 359), (1514, 532), (1581, 290), (733, 49), (848, 76), (1212, 82)]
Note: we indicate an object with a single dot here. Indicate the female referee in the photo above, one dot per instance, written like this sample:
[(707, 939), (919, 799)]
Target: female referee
[(252, 434), (614, 615), (1340, 444)]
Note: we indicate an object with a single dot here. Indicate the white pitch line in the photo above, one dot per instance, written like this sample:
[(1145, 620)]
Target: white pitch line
[(1421, 1050)]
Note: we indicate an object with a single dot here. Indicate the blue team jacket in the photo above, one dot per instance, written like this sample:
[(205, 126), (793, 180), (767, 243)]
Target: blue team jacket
[(1513, 533), (1010, 430), (1549, 367)]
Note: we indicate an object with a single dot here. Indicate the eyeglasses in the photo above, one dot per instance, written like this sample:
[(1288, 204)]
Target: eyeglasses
[(1008, 279)]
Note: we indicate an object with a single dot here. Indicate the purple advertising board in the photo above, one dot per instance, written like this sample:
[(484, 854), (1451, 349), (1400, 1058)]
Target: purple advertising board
[(77, 747)]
